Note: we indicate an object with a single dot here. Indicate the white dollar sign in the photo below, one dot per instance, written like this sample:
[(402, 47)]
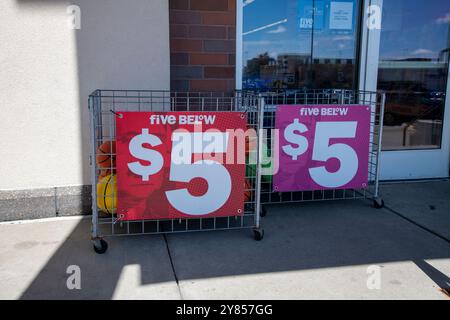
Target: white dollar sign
[(291, 136), (138, 151)]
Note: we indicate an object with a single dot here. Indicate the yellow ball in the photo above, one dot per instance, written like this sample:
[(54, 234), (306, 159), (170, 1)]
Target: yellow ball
[(107, 194)]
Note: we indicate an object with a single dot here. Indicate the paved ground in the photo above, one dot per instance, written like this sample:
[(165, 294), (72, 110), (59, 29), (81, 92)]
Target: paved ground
[(310, 251), (428, 204)]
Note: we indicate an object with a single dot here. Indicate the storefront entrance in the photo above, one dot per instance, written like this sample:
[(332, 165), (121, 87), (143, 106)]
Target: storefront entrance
[(408, 59), (318, 44)]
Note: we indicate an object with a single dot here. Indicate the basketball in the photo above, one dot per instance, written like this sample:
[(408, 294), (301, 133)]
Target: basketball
[(106, 155), (107, 194)]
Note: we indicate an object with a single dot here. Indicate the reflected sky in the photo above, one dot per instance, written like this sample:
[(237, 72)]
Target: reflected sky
[(411, 29), (292, 34), (414, 29)]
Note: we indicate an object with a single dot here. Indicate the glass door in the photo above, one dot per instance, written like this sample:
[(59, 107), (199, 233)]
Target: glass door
[(408, 58), (297, 44)]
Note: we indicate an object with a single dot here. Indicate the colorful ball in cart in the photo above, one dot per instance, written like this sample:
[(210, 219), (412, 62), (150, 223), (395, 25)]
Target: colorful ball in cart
[(104, 172), (251, 144), (106, 155), (251, 168), (107, 194), (248, 190)]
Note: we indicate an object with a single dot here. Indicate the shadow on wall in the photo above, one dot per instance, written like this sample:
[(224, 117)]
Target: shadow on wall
[(120, 45)]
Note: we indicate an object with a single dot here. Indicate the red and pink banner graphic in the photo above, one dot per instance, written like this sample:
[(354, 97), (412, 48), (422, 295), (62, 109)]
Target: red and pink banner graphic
[(322, 147), (173, 165)]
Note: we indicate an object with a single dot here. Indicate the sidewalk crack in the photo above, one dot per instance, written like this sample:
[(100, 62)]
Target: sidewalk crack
[(436, 234)]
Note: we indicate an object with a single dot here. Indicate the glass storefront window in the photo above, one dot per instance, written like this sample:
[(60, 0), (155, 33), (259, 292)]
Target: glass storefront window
[(413, 70), (295, 44)]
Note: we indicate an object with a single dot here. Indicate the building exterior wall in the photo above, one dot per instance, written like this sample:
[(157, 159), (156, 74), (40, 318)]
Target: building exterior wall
[(48, 70), (202, 45), (47, 73)]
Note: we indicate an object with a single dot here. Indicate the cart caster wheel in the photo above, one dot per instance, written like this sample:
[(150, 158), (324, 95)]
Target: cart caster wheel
[(378, 203), (263, 212), (100, 246), (258, 234)]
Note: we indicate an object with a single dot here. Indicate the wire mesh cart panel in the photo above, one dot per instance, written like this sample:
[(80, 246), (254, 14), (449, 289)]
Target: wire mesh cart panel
[(374, 100), (105, 109)]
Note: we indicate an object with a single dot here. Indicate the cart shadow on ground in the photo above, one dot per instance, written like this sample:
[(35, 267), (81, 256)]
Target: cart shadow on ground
[(297, 237)]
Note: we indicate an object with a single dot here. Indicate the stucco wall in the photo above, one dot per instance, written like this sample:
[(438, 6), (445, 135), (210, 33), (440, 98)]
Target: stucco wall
[(47, 71)]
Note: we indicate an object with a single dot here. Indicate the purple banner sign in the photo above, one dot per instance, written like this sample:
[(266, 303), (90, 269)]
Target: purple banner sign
[(322, 147)]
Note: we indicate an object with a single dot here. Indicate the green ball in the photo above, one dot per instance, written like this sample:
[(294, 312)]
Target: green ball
[(251, 168), (251, 172)]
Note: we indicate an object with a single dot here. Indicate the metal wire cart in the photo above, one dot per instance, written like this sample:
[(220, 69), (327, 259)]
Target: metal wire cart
[(375, 100), (105, 106), (260, 110)]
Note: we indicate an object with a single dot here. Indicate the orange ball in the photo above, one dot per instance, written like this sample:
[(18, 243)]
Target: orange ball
[(106, 155), (248, 191), (251, 145)]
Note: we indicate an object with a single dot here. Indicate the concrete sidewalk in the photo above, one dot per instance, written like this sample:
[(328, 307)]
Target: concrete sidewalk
[(310, 251)]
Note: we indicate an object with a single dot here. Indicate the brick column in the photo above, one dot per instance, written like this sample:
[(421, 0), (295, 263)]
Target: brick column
[(202, 45)]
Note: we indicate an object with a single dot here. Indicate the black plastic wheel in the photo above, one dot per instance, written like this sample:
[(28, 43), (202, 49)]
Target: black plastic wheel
[(263, 212), (258, 234), (378, 203), (103, 247)]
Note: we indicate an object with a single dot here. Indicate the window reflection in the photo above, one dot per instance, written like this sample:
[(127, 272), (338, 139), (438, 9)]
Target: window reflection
[(291, 44), (413, 70)]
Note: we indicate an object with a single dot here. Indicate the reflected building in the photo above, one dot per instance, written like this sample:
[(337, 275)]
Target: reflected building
[(296, 71)]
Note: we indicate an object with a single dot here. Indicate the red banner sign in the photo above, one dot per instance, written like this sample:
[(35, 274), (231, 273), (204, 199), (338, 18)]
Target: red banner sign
[(177, 165)]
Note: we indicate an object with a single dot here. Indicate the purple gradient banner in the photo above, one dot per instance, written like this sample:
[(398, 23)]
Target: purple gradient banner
[(322, 147)]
